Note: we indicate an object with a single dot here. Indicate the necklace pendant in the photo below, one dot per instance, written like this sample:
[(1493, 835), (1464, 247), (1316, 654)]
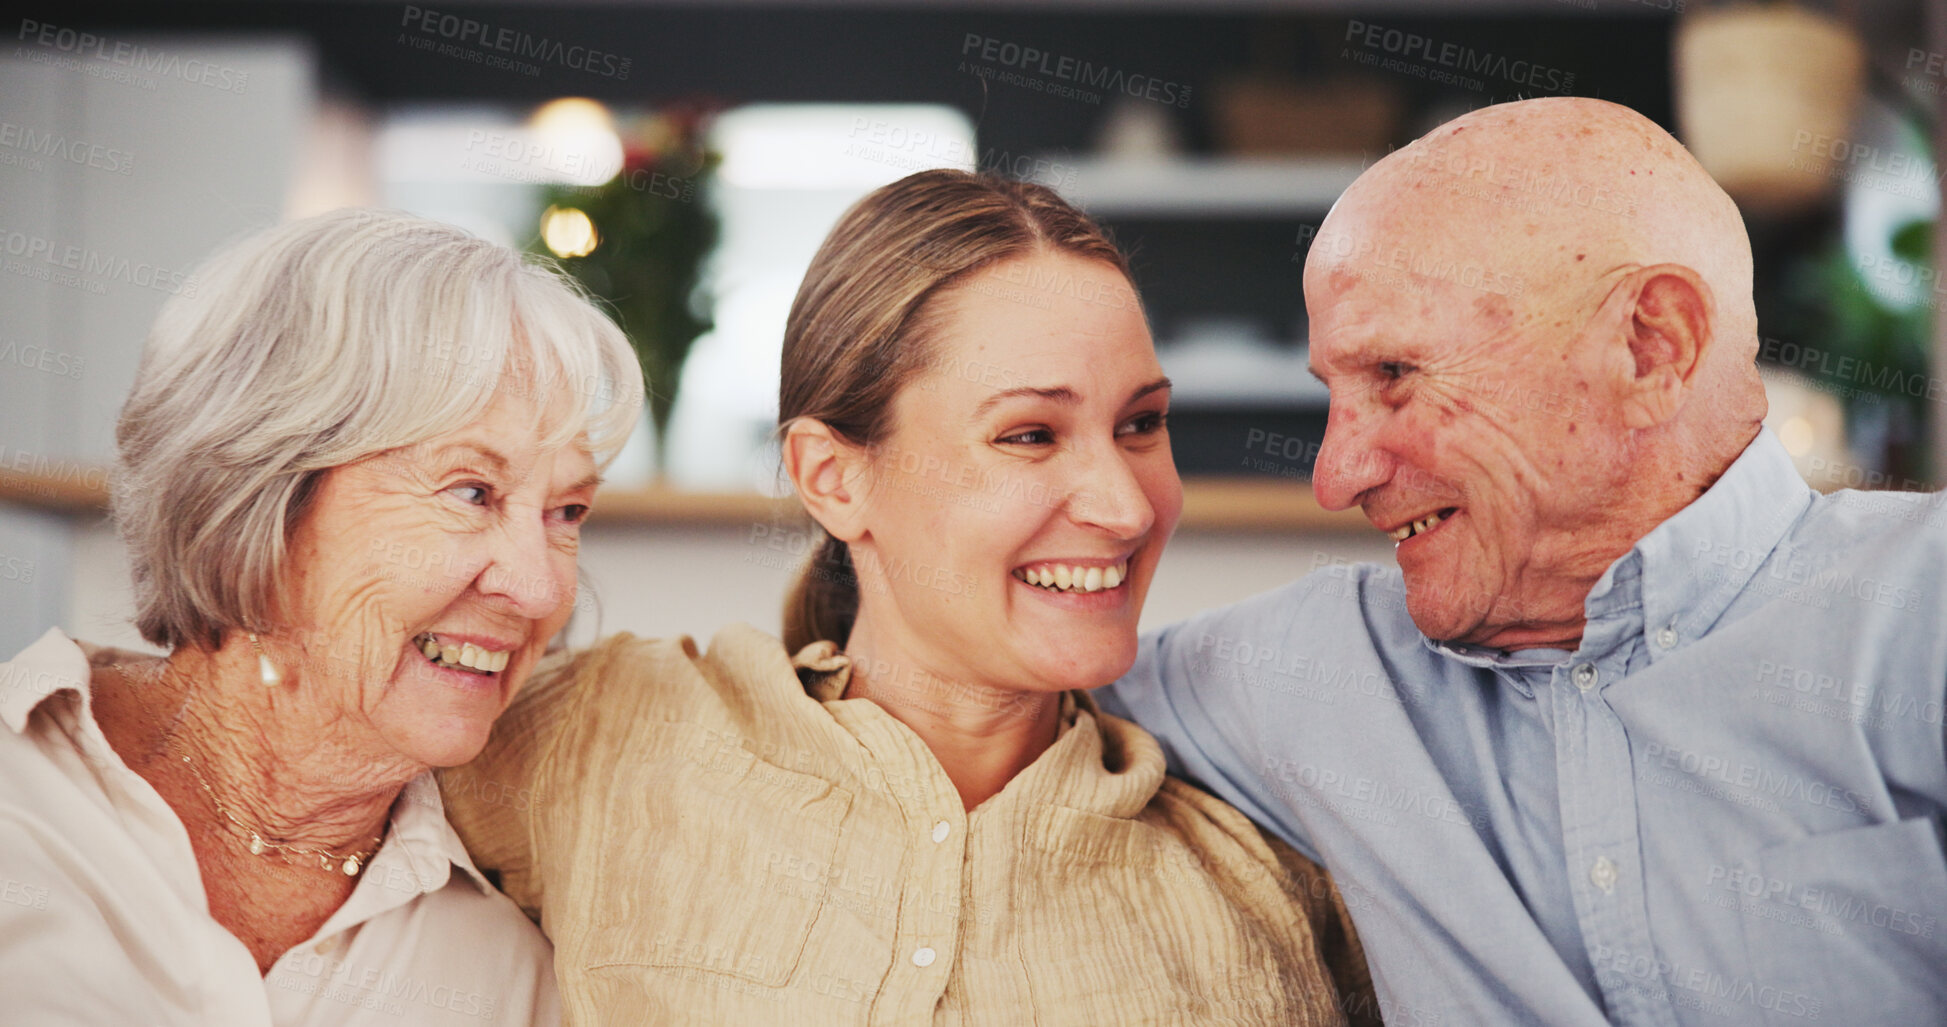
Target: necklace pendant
[(352, 866), (256, 844)]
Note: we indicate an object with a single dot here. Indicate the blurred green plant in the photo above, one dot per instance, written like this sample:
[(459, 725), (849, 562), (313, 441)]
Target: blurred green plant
[(1887, 402), (653, 229)]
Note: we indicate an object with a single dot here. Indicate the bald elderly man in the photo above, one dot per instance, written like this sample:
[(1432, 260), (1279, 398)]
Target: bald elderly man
[(1641, 730)]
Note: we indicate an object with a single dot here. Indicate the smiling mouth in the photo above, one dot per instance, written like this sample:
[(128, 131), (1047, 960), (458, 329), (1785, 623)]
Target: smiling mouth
[(462, 655), (1421, 526), (1063, 577)]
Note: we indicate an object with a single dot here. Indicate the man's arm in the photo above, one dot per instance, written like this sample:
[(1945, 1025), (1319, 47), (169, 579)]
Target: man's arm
[(1210, 686)]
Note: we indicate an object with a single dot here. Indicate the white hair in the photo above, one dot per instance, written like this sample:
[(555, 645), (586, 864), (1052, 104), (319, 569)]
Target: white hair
[(316, 344)]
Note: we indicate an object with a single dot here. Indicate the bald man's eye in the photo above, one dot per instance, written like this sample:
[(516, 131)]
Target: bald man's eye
[(1392, 370)]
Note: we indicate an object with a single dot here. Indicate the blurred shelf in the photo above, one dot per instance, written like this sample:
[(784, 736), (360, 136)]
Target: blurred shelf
[(1201, 186), (1209, 504), (1261, 504)]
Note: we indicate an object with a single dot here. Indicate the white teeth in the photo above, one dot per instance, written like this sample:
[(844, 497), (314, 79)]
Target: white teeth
[(464, 654), (1065, 578)]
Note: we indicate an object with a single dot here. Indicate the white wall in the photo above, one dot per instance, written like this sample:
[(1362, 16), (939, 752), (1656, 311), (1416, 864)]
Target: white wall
[(196, 149)]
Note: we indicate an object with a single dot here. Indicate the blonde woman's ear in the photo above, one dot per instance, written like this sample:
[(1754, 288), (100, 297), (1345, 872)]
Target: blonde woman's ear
[(827, 471)]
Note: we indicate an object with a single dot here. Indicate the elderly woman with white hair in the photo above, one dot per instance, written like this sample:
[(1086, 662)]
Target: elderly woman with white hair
[(352, 474)]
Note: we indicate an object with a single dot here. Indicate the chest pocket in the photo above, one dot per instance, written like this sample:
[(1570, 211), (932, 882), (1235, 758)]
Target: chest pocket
[(720, 862), (1859, 938)]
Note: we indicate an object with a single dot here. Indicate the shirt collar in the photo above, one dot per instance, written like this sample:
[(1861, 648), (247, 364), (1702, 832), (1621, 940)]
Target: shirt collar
[(430, 845), (1692, 566), (54, 663), (1099, 764), (1684, 574), (419, 830)]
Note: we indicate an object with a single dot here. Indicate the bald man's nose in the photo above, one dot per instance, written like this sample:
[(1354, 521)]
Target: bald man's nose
[(1348, 462)]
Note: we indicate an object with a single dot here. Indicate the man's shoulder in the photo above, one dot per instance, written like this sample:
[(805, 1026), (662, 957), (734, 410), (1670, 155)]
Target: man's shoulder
[(1907, 528), (1333, 583), (1344, 613)]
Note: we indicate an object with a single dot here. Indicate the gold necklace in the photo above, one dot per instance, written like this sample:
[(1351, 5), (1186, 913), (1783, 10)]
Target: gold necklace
[(259, 845)]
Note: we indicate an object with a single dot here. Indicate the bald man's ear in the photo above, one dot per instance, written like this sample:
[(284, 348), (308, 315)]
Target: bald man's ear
[(827, 471), (1668, 331)]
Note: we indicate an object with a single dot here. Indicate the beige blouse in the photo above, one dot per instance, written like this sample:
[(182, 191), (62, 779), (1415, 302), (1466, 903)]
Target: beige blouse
[(710, 839)]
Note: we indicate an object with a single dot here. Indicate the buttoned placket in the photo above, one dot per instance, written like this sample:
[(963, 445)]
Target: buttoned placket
[(926, 937), (1600, 842)]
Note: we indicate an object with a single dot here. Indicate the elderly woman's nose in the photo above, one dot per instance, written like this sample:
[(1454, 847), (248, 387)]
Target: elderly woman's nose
[(522, 569)]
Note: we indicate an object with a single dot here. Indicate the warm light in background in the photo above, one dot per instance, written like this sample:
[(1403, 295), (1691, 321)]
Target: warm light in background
[(568, 232), (1797, 435), (578, 139), (1810, 423)]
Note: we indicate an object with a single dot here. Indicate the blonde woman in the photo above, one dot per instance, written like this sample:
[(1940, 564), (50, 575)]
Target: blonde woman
[(911, 811)]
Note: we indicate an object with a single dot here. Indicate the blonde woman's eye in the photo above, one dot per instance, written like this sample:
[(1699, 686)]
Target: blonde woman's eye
[(1145, 424)]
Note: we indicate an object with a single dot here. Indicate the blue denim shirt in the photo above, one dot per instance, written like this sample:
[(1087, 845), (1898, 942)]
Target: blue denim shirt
[(1725, 807)]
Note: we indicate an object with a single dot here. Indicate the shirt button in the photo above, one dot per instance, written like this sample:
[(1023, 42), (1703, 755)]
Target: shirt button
[(1603, 874), (1667, 638), (1585, 676), (940, 831), (923, 957)]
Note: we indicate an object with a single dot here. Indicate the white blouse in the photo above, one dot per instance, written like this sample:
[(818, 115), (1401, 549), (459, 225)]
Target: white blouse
[(103, 917)]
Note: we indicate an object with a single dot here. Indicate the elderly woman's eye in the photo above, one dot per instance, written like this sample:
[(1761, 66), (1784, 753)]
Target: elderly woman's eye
[(1394, 369), (574, 513), (472, 493)]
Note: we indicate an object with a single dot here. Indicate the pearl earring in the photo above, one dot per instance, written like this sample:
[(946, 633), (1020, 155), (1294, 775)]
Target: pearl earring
[(266, 670)]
